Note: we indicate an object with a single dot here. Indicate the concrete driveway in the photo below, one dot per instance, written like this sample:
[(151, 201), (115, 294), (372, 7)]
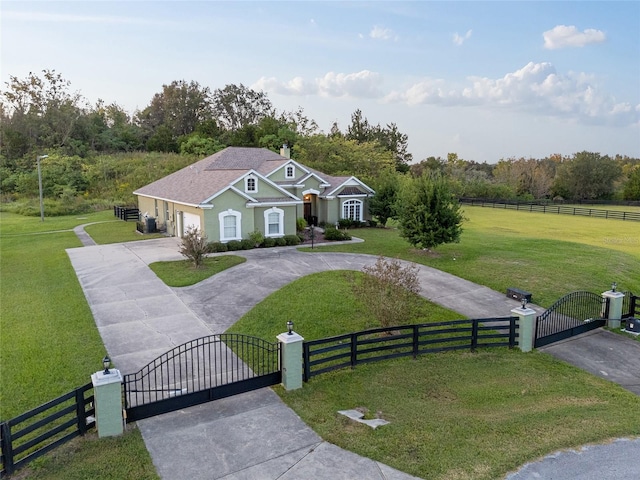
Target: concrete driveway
[(255, 435)]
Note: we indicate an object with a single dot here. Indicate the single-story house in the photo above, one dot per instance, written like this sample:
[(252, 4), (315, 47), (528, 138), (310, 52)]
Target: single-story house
[(240, 190)]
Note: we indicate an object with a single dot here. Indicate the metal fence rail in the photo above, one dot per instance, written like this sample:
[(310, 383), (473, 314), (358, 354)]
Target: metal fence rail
[(36, 432), (557, 209), (377, 344)]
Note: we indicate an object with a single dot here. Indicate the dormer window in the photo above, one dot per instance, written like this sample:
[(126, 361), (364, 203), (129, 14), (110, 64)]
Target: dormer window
[(290, 172), (250, 184)]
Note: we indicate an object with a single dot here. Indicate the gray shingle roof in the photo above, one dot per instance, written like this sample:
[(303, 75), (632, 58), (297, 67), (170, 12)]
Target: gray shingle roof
[(198, 182)]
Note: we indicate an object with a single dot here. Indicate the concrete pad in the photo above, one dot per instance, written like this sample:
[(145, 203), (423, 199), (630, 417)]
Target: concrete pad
[(331, 462), (610, 356), (230, 442)]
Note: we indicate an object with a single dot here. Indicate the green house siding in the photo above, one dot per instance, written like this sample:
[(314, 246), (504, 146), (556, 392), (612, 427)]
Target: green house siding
[(312, 183), (280, 174), (290, 212)]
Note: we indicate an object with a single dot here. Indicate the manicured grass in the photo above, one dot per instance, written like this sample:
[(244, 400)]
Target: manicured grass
[(321, 305), (49, 343), (116, 231), (453, 415), (90, 457), (13, 224), (182, 273), (548, 255)]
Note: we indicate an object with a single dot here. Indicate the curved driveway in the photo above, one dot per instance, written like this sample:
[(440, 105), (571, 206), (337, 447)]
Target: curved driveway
[(252, 435)]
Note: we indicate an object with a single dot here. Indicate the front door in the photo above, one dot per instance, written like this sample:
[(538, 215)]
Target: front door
[(307, 212)]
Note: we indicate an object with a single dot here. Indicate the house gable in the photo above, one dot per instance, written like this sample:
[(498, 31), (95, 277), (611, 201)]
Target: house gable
[(288, 173), (263, 188)]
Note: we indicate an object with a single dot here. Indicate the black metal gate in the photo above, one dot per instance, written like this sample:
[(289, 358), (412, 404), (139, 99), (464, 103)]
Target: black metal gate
[(630, 305), (575, 313), (199, 371)]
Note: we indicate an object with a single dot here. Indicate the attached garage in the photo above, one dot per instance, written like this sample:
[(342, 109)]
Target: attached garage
[(189, 220)]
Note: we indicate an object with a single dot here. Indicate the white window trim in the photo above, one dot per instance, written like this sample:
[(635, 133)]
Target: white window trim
[(280, 213), (246, 183), (346, 204), (286, 171), (233, 213)]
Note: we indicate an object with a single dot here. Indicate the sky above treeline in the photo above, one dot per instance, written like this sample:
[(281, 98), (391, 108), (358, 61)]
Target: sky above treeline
[(485, 80)]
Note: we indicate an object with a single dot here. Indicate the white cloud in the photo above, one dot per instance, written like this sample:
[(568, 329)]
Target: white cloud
[(459, 40), (562, 36), (363, 84), (536, 87), (381, 33)]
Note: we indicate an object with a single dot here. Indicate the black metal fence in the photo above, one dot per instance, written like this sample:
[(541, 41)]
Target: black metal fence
[(377, 344), (36, 432), (557, 209), (126, 213), (630, 305)]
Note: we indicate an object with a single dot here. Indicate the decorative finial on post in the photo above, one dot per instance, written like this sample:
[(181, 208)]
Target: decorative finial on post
[(524, 302), (614, 285), (290, 327)]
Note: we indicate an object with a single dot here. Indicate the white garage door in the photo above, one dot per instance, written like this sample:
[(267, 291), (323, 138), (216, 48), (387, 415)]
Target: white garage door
[(189, 220)]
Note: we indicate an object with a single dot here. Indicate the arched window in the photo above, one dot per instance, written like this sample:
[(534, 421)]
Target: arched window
[(274, 222), (230, 223), (352, 209)]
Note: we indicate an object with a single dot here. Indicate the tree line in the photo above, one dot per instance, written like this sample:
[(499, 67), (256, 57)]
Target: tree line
[(102, 152)]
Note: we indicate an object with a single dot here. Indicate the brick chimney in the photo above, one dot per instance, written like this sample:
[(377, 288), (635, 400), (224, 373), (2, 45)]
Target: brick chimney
[(285, 151)]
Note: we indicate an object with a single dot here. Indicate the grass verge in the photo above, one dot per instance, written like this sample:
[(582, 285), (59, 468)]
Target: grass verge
[(92, 457), (181, 273)]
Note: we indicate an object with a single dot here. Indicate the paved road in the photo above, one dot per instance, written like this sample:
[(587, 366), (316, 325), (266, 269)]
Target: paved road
[(253, 435)]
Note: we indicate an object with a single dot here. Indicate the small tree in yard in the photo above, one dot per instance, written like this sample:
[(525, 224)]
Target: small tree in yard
[(390, 291), (194, 246), (428, 213)]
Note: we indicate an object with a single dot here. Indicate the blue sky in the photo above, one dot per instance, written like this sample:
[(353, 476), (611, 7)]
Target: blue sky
[(485, 80)]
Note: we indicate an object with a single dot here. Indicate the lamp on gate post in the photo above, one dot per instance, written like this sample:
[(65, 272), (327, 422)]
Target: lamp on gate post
[(41, 157), (106, 363)]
